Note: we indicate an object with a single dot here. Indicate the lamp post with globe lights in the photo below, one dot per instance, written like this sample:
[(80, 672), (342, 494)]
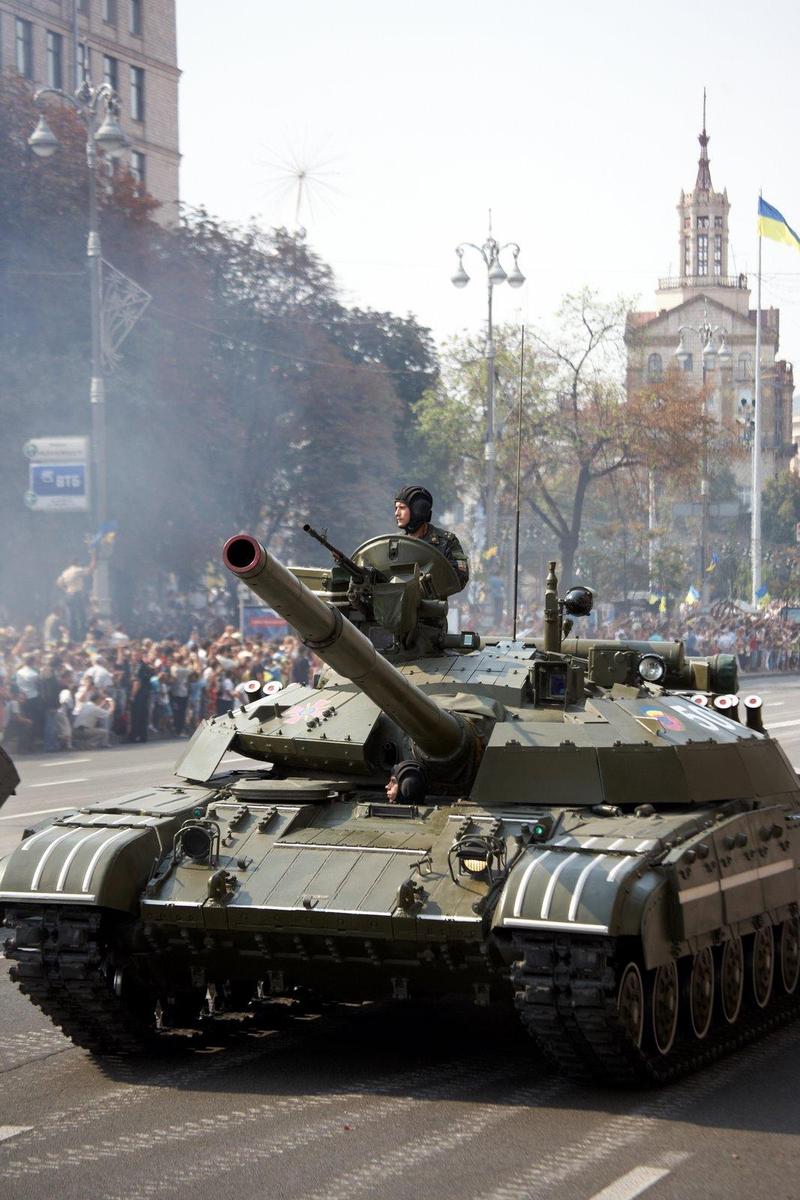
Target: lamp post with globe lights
[(490, 252), (98, 109), (708, 334)]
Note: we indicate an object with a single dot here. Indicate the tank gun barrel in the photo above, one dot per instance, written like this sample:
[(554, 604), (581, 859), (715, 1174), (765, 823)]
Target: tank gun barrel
[(439, 734)]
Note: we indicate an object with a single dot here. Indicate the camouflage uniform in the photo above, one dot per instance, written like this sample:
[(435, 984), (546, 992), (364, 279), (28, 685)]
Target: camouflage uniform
[(449, 545)]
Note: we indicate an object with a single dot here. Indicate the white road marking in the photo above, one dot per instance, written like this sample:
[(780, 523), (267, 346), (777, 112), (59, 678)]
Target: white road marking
[(64, 762), (633, 1184), (38, 812), (782, 724), (57, 783), (10, 1131), (776, 703)]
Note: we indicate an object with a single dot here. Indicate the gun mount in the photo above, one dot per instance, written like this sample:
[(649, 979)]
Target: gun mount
[(335, 639)]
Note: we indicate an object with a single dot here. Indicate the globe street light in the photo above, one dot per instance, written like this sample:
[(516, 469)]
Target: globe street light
[(490, 253), (98, 109), (707, 333)]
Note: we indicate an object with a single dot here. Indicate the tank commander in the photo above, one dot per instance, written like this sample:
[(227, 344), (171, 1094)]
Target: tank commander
[(408, 783), (413, 508)]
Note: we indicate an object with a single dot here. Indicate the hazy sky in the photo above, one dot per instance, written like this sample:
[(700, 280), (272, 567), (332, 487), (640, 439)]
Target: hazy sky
[(576, 123)]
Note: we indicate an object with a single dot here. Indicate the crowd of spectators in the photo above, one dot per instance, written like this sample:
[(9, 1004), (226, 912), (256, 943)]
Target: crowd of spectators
[(57, 694), (60, 693), (762, 640)]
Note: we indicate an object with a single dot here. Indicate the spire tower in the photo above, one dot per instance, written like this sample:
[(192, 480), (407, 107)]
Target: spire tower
[(703, 182), (703, 242)]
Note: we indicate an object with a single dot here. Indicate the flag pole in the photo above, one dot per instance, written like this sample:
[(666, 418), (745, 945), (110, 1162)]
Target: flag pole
[(755, 527)]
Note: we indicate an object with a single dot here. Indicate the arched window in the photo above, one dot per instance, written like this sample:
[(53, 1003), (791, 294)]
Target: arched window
[(654, 367)]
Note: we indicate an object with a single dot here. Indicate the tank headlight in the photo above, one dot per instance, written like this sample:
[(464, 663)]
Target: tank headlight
[(477, 854), (196, 842), (652, 668), (474, 866)]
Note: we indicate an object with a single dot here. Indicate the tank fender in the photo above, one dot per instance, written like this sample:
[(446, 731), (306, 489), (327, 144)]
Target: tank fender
[(743, 865), (97, 859), (573, 885)]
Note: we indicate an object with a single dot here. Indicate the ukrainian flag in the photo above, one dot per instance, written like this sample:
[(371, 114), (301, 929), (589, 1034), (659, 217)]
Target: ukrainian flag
[(773, 224)]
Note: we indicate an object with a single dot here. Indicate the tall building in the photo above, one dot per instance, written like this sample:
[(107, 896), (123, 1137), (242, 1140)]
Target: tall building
[(130, 44), (704, 290)]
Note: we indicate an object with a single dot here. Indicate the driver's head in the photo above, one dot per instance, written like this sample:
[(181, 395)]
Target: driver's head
[(411, 782), (413, 507)]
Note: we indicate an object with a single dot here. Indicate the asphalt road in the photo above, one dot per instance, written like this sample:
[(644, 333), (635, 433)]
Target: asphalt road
[(374, 1102)]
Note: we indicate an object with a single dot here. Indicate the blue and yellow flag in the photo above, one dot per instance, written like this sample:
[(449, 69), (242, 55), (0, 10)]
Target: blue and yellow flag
[(773, 224)]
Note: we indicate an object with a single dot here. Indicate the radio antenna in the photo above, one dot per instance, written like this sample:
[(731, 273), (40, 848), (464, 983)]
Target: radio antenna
[(519, 475)]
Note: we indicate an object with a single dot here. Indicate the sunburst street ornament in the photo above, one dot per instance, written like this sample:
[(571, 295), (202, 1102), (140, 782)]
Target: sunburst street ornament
[(305, 179)]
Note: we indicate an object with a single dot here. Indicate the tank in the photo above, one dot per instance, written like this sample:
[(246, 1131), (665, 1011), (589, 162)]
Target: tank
[(601, 835), (9, 777)]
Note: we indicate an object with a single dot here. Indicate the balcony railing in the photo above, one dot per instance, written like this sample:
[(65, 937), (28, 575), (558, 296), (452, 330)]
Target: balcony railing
[(699, 281)]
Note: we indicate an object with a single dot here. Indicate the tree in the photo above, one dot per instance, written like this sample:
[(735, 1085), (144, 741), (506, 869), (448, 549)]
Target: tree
[(248, 395), (578, 427), (780, 511)]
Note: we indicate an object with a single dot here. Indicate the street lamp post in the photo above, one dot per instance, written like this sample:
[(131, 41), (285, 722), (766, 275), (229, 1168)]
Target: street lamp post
[(707, 334), (490, 252), (98, 109)]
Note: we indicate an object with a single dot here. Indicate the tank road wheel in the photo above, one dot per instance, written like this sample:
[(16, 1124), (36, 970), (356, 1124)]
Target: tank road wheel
[(700, 993), (731, 979), (665, 1006), (790, 954), (762, 965), (630, 1003)]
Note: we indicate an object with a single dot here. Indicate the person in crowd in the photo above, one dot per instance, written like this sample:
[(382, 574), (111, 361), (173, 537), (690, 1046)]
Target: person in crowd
[(140, 698), (91, 721), (27, 680), (74, 583), (54, 630), (49, 689), (179, 689), (66, 705)]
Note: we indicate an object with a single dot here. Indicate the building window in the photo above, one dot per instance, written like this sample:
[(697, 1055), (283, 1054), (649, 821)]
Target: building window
[(718, 222), (111, 71), (687, 256), (110, 12), (136, 18), (717, 254), (702, 254), (24, 47), (83, 6), (137, 93), (654, 368), (84, 61), (688, 364), (744, 368), (702, 222), (55, 59), (138, 169)]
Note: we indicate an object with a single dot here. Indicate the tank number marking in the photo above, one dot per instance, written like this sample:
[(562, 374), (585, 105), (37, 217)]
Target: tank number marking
[(705, 717)]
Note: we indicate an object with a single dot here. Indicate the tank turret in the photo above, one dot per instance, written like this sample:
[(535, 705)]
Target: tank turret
[(436, 733)]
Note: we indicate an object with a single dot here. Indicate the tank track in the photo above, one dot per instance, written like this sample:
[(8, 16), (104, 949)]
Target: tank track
[(566, 995), (62, 965)]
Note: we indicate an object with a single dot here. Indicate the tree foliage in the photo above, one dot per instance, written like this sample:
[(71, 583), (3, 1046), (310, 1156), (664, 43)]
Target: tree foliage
[(249, 395), (579, 429)]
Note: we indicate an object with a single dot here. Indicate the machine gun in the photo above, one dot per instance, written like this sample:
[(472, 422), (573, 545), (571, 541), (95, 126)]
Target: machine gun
[(357, 574)]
